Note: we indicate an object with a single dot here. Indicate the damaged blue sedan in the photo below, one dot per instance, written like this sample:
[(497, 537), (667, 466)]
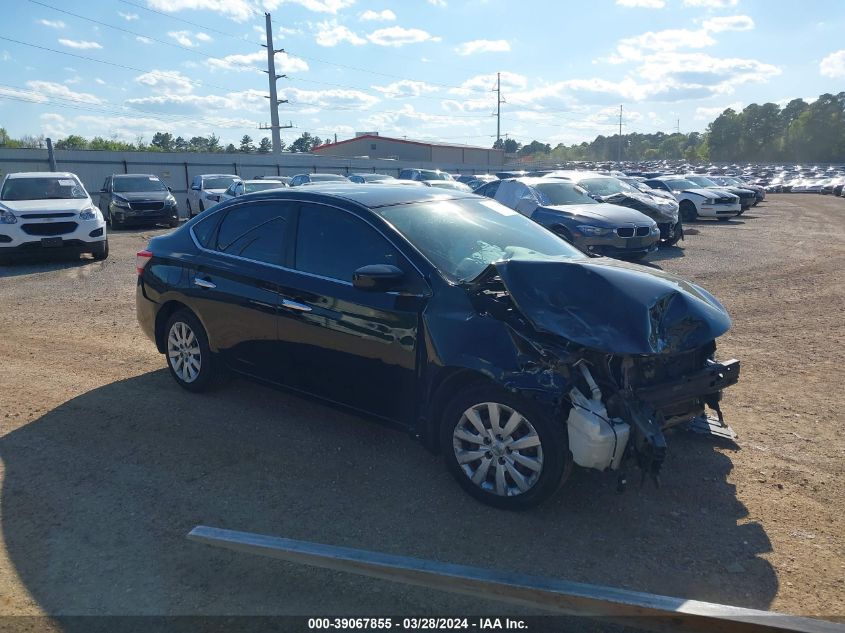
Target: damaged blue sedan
[(493, 341)]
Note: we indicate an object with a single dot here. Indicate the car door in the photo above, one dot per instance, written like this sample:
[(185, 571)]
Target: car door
[(352, 346), (105, 197), (233, 286)]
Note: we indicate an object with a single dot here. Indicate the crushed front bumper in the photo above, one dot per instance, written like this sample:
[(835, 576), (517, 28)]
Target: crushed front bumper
[(705, 382)]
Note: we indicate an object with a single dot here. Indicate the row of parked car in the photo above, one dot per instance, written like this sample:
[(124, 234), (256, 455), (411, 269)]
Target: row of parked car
[(612, 214)]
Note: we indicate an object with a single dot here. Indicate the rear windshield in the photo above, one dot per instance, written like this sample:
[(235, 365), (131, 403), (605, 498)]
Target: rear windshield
[(217, 183), (252, 187), (430, 174), (138, 183), (326, 177), (43, 188)]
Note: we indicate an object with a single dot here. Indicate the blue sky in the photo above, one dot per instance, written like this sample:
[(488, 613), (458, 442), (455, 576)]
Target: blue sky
[(418, 68)]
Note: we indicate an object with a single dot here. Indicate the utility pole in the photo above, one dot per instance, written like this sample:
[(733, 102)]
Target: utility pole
[(274, 126), (678, 128), (499, 102), (619, 156)]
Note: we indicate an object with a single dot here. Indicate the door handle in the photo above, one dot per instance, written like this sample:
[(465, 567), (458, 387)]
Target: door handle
[(293, 305), (204, 283)]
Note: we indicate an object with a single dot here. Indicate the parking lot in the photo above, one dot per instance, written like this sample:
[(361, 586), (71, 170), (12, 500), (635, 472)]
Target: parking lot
[(106, 463)]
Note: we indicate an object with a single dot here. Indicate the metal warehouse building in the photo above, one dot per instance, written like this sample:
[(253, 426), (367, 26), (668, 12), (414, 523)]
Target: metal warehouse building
[(373, 145)]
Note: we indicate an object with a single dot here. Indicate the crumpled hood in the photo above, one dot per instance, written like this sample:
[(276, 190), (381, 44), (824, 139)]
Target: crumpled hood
[(657, 208), (612, 306)]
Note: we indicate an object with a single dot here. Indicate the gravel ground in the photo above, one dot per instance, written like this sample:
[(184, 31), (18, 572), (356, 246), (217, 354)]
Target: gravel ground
[(106, 463)]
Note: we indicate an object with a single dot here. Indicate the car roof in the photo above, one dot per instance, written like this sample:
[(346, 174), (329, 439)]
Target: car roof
[(218, 176), (258, 181), (134, 176), (372, 196), (41, 174)]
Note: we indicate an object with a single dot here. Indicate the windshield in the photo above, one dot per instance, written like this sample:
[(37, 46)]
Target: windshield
[(605, 186), (557, 193), (252, 187), (680, 184), (701, 181), (43, 188), (639, 186), (138, 183), (462, 237), (430, 174), (218, 183)]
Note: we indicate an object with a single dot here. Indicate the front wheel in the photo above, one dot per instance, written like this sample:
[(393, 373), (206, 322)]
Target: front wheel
[(100, 250), (688, 211), (189, 358), (503, 450), (677, 234)]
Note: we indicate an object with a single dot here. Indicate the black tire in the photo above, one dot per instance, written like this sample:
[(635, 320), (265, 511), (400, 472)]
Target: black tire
[(100, 250), (190, 211), (202, 207), (555, 464), (115, 225), (210, 372), (174, 222), (688, 211), (677, 233)]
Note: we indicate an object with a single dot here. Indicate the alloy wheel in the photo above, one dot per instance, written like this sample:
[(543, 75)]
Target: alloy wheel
[(183, 352), (498, 449)]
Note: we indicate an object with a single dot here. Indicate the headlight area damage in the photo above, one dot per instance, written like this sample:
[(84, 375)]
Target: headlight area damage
[(620, 353), (662, 210)]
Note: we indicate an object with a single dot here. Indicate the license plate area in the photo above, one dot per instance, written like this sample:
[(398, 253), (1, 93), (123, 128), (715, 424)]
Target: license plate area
[(51, 242)]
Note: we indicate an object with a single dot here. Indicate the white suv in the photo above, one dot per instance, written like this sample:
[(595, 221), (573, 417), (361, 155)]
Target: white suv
[(49, 210), (203, 187)]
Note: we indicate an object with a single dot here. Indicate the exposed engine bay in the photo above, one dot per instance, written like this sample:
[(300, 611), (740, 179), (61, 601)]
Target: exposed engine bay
[(631, 356)]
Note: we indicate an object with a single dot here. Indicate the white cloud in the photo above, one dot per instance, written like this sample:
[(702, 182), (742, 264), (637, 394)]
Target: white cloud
[(399, 36), (284, 63), (238, 10), (54, 125), (833, 65), (708, 114), (166, 81), (53, 24), (728, 23), (182, 37), (143, 40), (405, 88), (50, 89), (643, 4), (79, 44), (378, 16), (203, 37), (636, 48), (100, 81), (483, 46), (330, 33), (22, 94), (128, 16), (317, 6), (438, 3), (711, 4)]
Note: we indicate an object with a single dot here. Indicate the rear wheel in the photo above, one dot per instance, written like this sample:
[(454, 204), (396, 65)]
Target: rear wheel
[(688, 211), (189, 358), (174, 222), (503, 450), (190, 211), (202, 208)]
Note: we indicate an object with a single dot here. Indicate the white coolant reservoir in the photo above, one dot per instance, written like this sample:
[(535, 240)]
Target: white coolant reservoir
[(595, 440)]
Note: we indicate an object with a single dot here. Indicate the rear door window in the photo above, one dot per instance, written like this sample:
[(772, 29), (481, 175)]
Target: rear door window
[(256, 231)]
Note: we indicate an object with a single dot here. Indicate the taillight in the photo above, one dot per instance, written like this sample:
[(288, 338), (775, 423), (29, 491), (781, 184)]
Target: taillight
[(142, 258)]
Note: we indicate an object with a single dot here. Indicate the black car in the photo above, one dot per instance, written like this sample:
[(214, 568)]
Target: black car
[(137, 199), (486, 336)]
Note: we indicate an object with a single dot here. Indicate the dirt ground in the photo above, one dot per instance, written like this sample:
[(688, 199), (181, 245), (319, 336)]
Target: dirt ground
[(107, 464)]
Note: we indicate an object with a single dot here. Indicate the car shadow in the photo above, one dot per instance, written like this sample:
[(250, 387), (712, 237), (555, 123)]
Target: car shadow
[(42, 262), (663, 253), (99, 493)]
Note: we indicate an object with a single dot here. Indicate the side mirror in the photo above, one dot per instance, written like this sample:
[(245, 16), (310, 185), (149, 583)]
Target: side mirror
[(195, 187), (170, 189), (377, 277)]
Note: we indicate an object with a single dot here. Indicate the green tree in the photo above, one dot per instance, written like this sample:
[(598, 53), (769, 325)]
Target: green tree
[(162, 142), (231, 149), (74, 141), (213, 143), (303, 143), (246, 144), (200, 144), (265, 146), (180, 144)]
